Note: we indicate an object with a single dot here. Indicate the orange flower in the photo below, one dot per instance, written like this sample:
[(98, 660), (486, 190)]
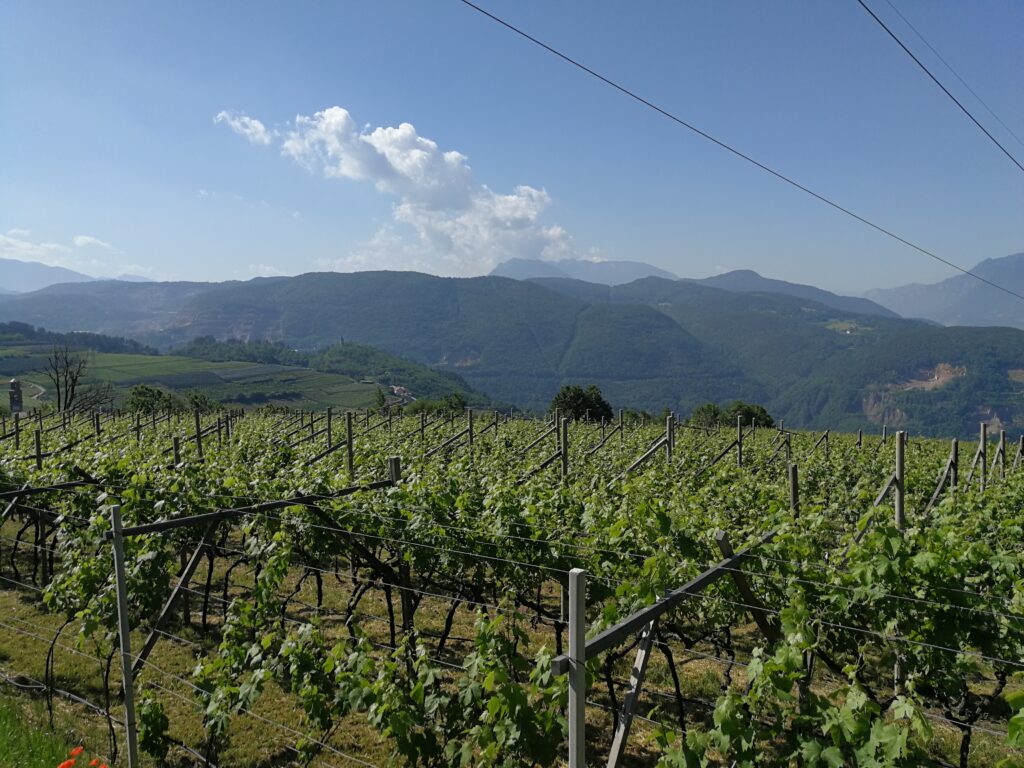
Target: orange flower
[(67, 763), (94, 762), (76, 751)]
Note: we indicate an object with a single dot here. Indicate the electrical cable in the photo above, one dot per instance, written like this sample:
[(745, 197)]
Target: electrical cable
[(742, 155), (955, 73), (935, 80)]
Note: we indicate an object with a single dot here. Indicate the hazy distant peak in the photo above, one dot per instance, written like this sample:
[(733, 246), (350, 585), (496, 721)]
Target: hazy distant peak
[(23, 276), (962, 299), (749, 281), (602, 272)]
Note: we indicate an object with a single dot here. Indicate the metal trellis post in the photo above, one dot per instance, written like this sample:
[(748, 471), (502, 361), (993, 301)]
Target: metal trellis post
[(124, 634), (577, 668)]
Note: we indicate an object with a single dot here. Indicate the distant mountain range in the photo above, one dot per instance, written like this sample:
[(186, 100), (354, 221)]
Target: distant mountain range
[(622, 272), (651, 343), (604, 272), (25, 276), (963, 300), (21, 276), (748, 281), (959, 300)]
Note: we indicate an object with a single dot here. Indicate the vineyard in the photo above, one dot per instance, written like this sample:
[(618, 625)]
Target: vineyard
[(273, 589)]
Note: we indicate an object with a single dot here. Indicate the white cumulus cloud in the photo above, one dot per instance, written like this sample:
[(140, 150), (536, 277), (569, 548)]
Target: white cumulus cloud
[(443, 218), (246, 126)]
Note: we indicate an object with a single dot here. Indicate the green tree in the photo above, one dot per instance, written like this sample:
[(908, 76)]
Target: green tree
[(202, 402), (750, 412), (575, 402), (707, 415), (146, 399), (454, 402)]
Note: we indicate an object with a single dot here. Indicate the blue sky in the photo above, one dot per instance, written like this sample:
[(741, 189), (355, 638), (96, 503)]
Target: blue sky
[(215, 141)]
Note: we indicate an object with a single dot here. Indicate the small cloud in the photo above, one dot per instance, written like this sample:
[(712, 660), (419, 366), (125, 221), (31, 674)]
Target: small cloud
[(84, 253), (19, 232), (85, 241), (204, 193), (246, 126), (16, 246), (135, 269), (266, 270)]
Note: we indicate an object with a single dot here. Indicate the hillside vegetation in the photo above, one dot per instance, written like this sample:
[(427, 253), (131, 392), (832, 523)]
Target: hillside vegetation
[(650, 344), (233, 372), (357, 361)]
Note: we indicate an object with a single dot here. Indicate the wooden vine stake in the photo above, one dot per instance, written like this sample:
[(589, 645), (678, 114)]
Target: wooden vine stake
[(563, 448), (899, 675), (794, 489), (636, 682), (350, 456), (1002, 454), (739, 441), (900, 486), (199, 435), (983, 453)]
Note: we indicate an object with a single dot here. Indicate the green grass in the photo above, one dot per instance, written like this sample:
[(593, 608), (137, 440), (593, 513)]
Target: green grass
[(232, 383), (25, 741)]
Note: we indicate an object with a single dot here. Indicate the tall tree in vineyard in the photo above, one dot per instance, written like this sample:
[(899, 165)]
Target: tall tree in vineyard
[(575, 402), (66, 370)]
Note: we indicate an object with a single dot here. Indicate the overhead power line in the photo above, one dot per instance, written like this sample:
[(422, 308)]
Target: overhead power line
[(743, 156), (935, 80), (956, 74)]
